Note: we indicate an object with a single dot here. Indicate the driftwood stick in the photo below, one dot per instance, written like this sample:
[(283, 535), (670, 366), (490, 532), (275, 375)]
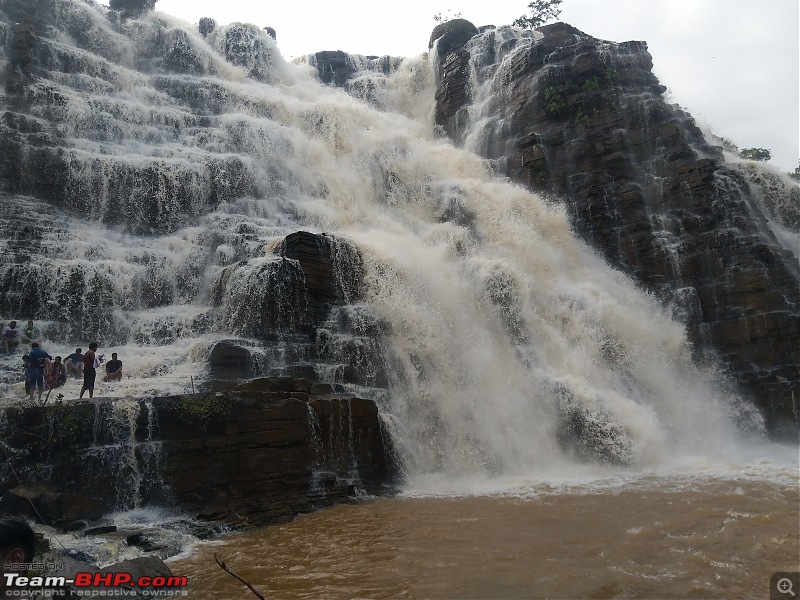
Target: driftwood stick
[(229, 572)]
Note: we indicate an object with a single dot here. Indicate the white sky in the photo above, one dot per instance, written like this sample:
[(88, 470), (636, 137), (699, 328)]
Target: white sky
[(733, 64)]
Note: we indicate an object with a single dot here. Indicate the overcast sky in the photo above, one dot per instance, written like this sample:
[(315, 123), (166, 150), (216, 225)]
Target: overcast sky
[(733, 64)]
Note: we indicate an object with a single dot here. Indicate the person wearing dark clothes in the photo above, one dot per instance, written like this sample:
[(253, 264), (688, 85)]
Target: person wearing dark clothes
[(17, 547), (37, 361), (26, 373), (113, 369), (89, 371), (74, 363)]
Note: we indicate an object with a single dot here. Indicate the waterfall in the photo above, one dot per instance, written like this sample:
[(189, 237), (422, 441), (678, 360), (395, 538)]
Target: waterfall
[(131, 465), (498, 343)]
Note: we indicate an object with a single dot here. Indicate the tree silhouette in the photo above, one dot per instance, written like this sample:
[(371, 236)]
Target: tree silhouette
[(755, 153), (542, 11)]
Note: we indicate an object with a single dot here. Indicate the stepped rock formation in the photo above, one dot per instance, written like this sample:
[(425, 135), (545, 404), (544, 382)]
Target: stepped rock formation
[(136, 137), (586, 121), (218, 213), (261, 453)]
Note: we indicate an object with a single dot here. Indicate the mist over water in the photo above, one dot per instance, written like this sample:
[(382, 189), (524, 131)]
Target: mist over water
[(499, 320)]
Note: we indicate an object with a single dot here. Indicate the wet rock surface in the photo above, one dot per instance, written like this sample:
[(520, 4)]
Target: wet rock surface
[(260, 453), (586, 121)]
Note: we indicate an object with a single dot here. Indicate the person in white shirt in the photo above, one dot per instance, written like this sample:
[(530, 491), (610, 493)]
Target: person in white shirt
[(11, 337)]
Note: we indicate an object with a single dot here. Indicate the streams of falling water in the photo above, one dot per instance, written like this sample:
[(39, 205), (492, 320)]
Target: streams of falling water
[(500, 321)]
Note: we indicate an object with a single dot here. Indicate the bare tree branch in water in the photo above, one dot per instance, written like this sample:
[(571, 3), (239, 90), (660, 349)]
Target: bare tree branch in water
[(229, 572)]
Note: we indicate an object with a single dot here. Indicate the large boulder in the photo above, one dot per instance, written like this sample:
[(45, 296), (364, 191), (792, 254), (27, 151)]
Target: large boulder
[(132, 9), (229, 360), (588, 431), (292, 290), (452, 93), (452, 35), (45, 502), (333, 267), (334, 66)]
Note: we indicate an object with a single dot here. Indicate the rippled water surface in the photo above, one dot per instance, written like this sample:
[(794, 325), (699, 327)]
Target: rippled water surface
[(649, 538)]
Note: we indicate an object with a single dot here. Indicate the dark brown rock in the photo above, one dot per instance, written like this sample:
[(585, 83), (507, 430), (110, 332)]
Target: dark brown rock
[(65, 507), (334, 66), (276, 384), (44, 502), (132, 9), (259, 454), (19, 501), (229, 361), (333, 267), (586, 121), (452, 94), (291, 295), (452, 35)]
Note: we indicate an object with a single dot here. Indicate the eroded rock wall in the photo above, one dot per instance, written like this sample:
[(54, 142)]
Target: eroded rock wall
[(586, 121), (261, 453)]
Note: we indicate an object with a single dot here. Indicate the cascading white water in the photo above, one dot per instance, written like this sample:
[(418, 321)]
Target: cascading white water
[(500, 321)]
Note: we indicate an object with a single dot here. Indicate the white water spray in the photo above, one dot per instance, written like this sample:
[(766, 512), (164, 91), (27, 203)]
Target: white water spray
[(500, 321)]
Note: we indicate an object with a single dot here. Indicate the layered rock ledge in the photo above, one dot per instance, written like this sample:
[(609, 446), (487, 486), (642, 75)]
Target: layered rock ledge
[(586, 121), (258, 454)]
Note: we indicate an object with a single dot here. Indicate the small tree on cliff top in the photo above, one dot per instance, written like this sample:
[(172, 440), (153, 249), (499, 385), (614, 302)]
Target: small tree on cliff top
[(755, 153), (541, 12)]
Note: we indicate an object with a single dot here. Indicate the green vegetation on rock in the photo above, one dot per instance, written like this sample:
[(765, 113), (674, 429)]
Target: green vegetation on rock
[(756, 154), (554, 103), (542, 11), (200, 410)]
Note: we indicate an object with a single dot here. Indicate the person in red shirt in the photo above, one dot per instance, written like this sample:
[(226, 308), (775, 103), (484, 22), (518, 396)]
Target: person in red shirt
[(57, 375)]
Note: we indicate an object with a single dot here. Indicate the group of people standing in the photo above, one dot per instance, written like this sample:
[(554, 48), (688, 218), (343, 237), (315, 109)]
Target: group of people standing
[(42, 370), (88, 363)]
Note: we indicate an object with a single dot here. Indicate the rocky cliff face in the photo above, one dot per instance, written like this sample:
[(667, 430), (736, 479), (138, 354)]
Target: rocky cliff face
[(128, 128), (586, 121), (261, 453), (167, 189)]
